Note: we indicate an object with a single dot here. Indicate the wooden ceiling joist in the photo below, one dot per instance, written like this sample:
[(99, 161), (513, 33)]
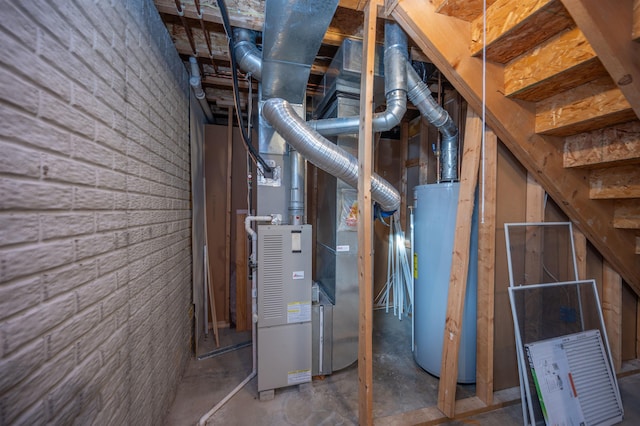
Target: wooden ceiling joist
[(596, 104), (514, 123), (245, 13), (569, 62), (604, 147), (512, 28)]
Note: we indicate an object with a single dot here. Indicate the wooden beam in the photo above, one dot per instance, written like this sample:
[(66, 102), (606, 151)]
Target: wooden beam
[(486, 267), (511, 30), (365, 226), (635, 32), (580, 246), (227, 222), (617, 144), (596, 104), (445, 41), (638, 319), (615, 182), (608, 30), (464, 408), (466, 10), (459, 264), (612, 311), (243, 293), (562, 62), (627, 214)]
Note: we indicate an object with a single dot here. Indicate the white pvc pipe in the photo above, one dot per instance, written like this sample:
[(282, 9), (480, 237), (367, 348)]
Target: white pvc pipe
[(254, 313)]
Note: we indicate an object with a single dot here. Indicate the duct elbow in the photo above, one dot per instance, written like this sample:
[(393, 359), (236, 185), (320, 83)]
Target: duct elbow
[(247, 54), (392, 116)]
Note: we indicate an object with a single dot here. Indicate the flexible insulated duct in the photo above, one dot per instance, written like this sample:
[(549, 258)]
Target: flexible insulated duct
[(324, 153), (420, 95), (395, 85)]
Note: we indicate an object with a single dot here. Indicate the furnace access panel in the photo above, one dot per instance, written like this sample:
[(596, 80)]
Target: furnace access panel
[(284, 305)]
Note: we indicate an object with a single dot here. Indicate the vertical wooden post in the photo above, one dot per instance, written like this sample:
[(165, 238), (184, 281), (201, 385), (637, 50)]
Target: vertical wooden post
[(486, 268), (612, 311), (365, 217), (638, 327), (459, 264), (243, 296), (580, 245), (227, 230)]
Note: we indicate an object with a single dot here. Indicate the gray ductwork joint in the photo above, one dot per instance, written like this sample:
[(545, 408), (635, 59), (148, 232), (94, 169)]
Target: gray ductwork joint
[(420, 95), (248, 56), (323, 153), (395, 84)]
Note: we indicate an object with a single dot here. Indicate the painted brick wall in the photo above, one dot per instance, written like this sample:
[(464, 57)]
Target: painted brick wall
[(95, 220)]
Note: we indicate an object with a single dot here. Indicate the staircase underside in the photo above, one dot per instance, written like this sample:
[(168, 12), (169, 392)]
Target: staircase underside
[(562, 92)]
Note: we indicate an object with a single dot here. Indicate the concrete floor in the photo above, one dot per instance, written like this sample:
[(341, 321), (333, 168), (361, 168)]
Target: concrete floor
[(399, 386)]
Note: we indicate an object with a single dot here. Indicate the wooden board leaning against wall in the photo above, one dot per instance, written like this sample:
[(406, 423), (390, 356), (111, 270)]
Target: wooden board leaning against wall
[(216, 173)]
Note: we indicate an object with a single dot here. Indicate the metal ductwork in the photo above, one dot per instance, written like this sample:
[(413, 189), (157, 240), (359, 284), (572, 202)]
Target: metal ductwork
[(420, 95), (324, 153), (248, 56), (293, 33), (196, 84), (395, 84)]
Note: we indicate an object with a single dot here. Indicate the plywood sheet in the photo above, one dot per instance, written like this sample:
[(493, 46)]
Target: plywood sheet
[(562, 62), (591, 106), (512, 27), (612, 145), (627, 214), (467, 10), (215, 173), (615, 182)]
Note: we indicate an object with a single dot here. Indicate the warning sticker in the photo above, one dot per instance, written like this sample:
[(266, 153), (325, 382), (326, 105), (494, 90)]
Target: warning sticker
[(298, 275), (298, 376), (299, 312)]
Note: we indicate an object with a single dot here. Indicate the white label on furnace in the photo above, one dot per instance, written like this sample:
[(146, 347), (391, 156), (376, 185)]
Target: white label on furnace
[(298, 312), (298, 376), (342, 248), (298, 275)]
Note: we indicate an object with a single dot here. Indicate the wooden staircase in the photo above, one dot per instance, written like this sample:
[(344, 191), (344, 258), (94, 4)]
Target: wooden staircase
[(562, 93)]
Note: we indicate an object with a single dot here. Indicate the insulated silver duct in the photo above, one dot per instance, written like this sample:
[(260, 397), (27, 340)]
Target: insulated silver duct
[(323, 153), (196, 84), (395, 85), (420, 95), (248, 56)]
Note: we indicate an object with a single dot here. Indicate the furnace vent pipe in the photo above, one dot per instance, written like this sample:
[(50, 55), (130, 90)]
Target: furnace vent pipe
[(324, 153), (420, 95), (196, 84), (395, 85), (248, 56)]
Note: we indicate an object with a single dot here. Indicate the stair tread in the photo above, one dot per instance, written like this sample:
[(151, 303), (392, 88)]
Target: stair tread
[(514, 27)]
